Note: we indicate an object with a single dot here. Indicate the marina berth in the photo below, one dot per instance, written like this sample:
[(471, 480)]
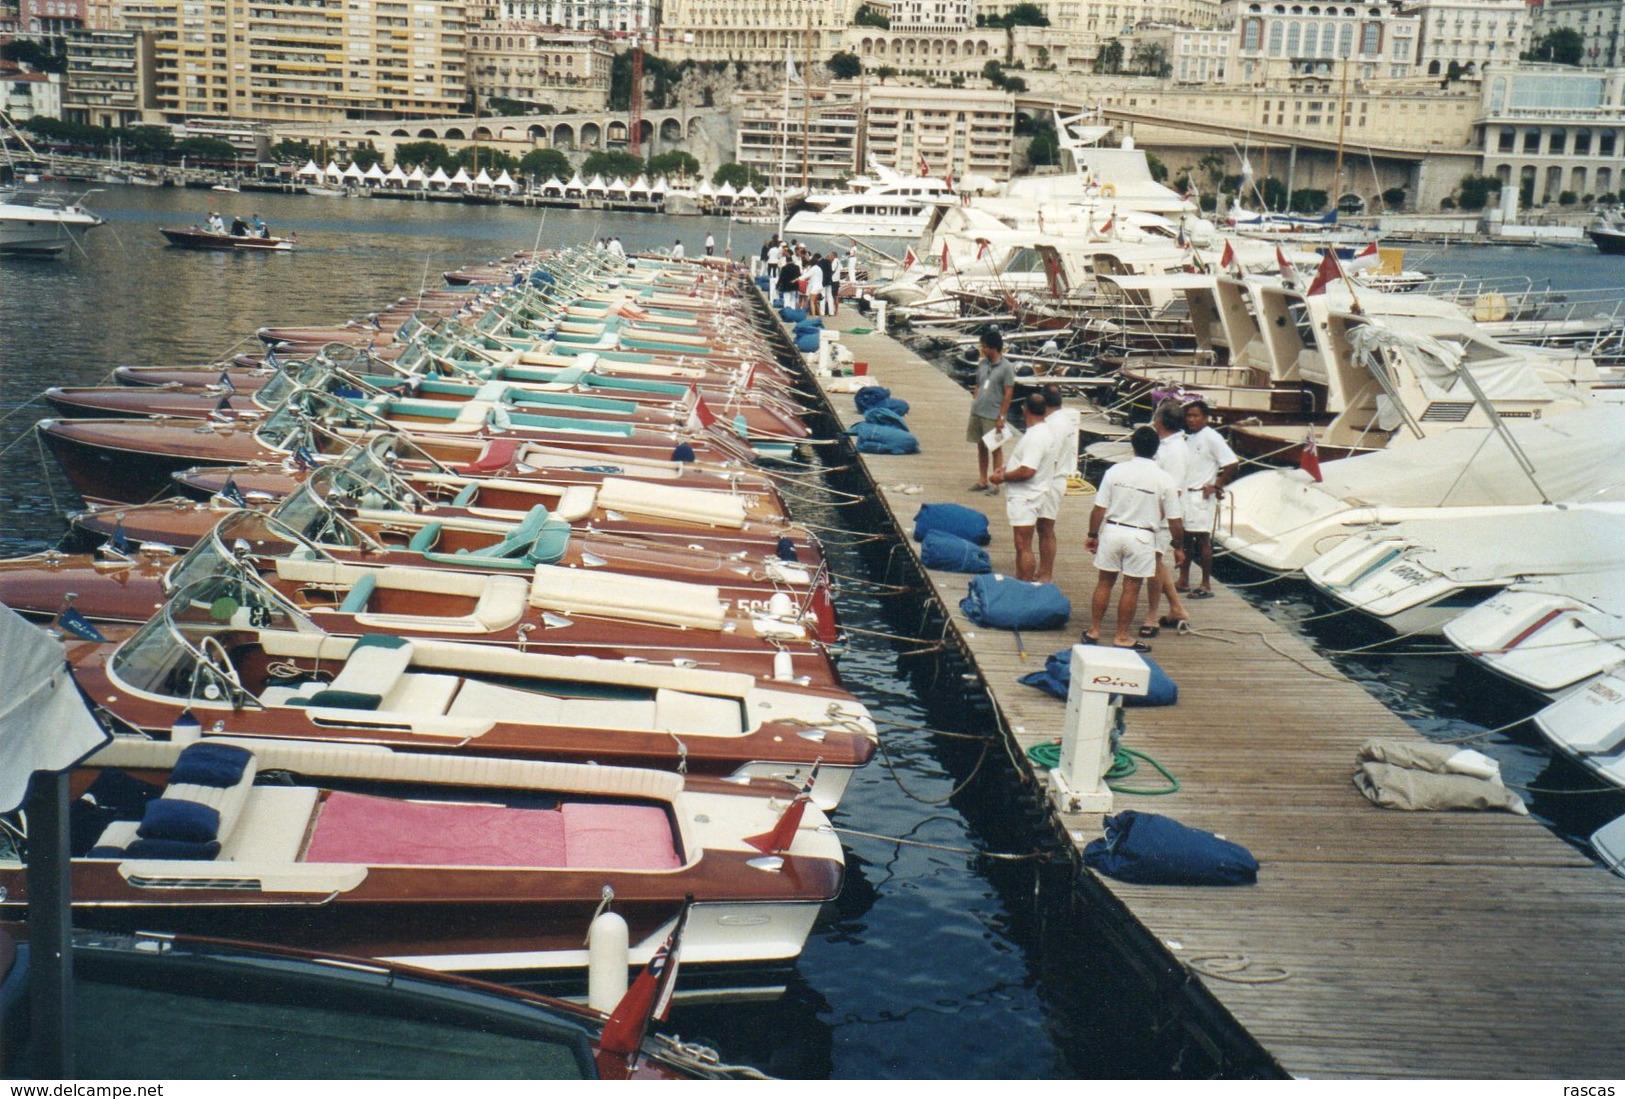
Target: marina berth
[(473, 865)]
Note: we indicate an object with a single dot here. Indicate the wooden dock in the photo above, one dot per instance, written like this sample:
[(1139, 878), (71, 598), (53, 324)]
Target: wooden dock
[(1377, 943)]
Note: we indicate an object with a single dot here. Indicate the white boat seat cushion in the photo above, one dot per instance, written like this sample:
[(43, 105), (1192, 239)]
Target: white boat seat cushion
[(612, 595), (700, 715), (272, 826), (417, 693)]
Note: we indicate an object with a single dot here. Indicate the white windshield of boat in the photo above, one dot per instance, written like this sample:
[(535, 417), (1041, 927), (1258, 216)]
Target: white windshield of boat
[(360, 480), (308, 514), (308, 414), (179, 652), (240, 536)]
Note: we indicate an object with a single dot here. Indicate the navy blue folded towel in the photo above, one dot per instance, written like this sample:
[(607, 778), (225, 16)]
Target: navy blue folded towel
[(218, 765), (179, 819)]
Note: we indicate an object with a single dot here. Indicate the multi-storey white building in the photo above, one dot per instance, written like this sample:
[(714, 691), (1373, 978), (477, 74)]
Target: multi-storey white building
[(616, 16), (529, 63), (1276, 41), (296, 60), (750, 30), (1193, 55), (1468, 34), (1555, 128), (1599, 23), (109, 77), (928, 16)]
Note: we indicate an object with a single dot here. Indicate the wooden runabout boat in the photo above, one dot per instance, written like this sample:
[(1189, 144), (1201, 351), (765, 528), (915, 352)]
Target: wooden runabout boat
[(476, 523), (132, 461), (446, 862), (206, 240), (386, 668), (251, 1011)]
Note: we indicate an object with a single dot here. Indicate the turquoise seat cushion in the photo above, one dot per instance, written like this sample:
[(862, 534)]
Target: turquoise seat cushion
[(550, 544), (424, 540), (356, 601), (465, 495)]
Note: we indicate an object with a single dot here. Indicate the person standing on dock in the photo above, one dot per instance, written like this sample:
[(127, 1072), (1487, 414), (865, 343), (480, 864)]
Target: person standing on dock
[(1029, 473), (789, 277), (677, 250), (833, 284), (1210, 465), (710, 245), (814, 275), (1172, 458), (1064, 424), (995, 382), (1133, 501), (773, 257)]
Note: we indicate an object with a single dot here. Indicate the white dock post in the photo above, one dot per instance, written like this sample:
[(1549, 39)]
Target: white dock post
[(880, 317), (1078, 782)]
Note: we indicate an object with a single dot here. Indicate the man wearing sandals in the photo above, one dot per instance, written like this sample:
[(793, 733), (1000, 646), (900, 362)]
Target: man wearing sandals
[(1209, 466), (1133, 500)]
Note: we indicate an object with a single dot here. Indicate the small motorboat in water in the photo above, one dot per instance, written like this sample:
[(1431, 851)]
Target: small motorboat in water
[(198, 239)]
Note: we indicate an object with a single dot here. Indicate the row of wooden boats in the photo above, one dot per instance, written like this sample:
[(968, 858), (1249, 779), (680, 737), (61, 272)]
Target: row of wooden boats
[(492, 607)]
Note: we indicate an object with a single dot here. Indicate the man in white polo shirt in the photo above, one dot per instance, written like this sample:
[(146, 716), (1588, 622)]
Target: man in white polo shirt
[(1133, 500), (1172, 459), (1209, 466), (1028, 475)]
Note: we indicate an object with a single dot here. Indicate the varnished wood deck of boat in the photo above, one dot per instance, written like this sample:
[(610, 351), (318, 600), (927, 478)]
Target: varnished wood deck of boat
[(1413, 944)]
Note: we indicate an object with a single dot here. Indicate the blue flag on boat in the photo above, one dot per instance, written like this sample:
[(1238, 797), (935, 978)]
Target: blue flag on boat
[(118, 543), (78, 625), (270, 360), (303, 458), (225, 382), (232, 494)]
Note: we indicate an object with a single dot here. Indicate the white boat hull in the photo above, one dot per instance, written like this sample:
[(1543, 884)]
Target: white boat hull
[(816, 223), (39, 232), (1545, 642)]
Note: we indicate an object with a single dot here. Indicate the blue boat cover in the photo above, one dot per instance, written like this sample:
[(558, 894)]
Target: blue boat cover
[(951, 553), (967, 523), (1149, 849), (1003, 602), (871, 396), (876, 438)]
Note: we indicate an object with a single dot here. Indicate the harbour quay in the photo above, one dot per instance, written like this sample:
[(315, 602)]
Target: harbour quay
[(1376, 943)]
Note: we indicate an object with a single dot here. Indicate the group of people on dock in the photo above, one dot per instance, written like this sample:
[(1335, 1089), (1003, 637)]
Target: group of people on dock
[(1152, 514), (803, 279)]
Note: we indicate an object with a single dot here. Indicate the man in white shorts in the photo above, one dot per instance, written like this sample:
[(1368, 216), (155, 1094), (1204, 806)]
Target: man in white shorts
[(1169, 422), (1209, 466), (1063, 423), (1133, 500), (1028, 474)]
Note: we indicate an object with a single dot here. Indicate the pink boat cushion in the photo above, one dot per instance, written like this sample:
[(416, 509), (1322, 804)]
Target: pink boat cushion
[(374, 831), (618, 837), (377, 831)]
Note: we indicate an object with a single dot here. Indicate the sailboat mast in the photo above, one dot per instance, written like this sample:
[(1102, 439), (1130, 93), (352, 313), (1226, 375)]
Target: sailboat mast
[(806, 97), (1342, 120)]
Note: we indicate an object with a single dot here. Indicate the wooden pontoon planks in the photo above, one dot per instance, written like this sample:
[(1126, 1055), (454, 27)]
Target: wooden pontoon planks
[(1418, 945)]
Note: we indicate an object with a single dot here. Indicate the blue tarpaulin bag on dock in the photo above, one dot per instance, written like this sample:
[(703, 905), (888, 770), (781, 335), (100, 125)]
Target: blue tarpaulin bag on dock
[(809, 324), (957, 519), (1055, 679), (1005, 603), (1148, 849), (951, 553), (762, 283), (871, 396), (792, 315), (885, 438), (807, 342)]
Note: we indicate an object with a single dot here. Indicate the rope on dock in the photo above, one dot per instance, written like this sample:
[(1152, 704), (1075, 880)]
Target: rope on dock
[(1211, 634), (1237, 969)]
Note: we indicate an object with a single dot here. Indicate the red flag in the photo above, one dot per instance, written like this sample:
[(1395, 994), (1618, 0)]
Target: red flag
[(1228, 259), (1309, 456), (982, 247), (1288, 274), (946, 259), (925, 168), (648, 998), (1329, 272), (702, 412), (1104, 229), (909, 258), (783, 834), (948, 178)]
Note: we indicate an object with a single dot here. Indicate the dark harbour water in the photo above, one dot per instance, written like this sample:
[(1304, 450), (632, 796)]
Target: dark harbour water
[(943, 958)]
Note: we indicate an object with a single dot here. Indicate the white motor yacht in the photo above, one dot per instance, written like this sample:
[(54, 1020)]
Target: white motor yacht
[(1415, 576), (1282, 519), (41, 223), (899, 206), (1550, 634)]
